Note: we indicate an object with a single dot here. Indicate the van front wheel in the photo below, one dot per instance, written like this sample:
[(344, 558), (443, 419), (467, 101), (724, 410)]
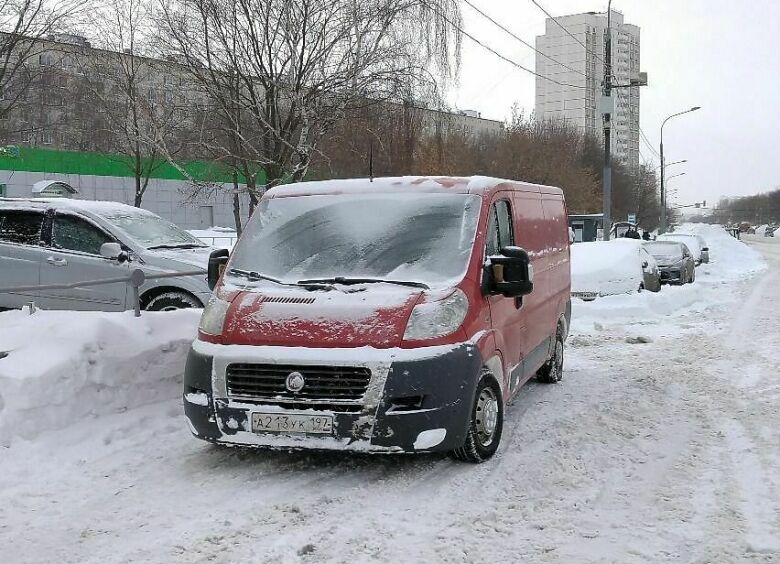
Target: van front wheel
[(485, 424)]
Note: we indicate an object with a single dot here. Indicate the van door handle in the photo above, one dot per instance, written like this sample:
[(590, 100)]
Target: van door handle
[(57, 261)]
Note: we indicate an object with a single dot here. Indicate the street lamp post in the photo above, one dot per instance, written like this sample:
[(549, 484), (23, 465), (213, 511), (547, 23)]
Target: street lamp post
[(663, 166)]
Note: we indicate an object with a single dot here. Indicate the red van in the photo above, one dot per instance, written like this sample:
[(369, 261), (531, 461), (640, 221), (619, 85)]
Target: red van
[(393, 315)]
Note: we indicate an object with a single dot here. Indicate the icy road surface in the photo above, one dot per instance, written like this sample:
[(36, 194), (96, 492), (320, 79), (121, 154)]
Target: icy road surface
[(659, 451)]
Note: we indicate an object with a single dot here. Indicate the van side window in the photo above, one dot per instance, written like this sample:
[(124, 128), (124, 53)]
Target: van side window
[(74, 234), (504, 214), (491, 237), (22, 227)]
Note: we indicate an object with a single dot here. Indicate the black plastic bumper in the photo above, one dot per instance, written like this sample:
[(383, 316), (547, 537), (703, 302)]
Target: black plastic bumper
[(428, 394)]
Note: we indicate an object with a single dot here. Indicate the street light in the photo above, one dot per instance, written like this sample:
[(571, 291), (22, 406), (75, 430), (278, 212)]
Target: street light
[(663, 166), (670, 164)]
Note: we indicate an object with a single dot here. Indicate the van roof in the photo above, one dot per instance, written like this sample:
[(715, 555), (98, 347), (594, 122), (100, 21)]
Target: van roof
[(460, 185), (97, 207)]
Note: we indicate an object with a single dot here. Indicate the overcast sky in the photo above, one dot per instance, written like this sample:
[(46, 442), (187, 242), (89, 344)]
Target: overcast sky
[(718, 54)]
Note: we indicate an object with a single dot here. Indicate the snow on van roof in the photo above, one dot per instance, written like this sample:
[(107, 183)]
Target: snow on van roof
[(462, 185), (99, 207)]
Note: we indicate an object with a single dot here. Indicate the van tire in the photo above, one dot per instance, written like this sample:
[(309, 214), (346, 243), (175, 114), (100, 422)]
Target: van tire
[(169, 301), (487, 415), (551, 371)]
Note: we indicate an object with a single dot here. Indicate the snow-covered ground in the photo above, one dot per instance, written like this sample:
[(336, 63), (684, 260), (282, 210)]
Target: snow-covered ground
[(661, 444)]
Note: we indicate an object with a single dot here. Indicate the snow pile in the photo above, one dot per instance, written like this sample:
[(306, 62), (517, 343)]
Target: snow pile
[(730, 262), (606, 267), (61, 366)]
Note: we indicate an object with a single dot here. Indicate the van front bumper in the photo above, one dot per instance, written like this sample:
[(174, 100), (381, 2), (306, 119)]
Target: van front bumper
[(417, 400)]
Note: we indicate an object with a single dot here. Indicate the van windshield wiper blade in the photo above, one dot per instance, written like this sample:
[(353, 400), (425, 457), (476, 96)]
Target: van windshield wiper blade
[(351, 281), (254, 276)]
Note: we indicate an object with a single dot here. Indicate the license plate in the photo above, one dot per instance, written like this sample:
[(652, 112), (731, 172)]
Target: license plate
[(284, 423)]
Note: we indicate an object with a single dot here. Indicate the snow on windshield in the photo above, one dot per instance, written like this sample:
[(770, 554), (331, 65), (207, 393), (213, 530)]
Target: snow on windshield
[(421, 237), (151, 230), (670, 249)]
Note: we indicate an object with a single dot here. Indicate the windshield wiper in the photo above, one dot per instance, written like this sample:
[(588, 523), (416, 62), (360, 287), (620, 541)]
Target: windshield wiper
[(351, 281), (176, 246), (254, 276)]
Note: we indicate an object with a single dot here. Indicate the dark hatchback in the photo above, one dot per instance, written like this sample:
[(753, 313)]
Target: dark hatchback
[(675, 261)]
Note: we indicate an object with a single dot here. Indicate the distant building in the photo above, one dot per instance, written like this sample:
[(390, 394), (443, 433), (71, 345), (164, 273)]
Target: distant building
[(579, 66)]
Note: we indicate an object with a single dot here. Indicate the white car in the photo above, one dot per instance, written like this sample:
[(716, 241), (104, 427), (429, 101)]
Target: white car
[(619, 266), (62, 241)]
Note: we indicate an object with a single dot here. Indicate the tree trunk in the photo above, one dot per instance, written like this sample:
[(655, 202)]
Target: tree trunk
[(237, 205), (138, 192)]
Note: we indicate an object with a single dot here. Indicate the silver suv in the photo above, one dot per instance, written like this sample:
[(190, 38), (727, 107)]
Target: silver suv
[(61, 241)]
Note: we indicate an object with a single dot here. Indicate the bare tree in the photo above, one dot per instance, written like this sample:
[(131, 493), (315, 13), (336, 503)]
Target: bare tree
[(23, 23), (280, 73), (139, 98)]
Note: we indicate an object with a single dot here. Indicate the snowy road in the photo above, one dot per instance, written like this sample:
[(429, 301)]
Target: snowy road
[(659, 451)]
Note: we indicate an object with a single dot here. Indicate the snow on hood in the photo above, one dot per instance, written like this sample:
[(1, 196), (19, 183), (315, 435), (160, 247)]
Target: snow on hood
[(606, 267), (374, 316), (198, 257)]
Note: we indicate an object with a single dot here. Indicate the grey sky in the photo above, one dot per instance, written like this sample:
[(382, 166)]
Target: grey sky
[(718, 54)]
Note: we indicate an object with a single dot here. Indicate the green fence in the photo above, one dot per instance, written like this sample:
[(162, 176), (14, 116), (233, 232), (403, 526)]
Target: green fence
[(35, 159)]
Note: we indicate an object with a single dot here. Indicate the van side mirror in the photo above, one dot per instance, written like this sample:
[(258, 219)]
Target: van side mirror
[(217, 261), (113, 251), (512, 273)]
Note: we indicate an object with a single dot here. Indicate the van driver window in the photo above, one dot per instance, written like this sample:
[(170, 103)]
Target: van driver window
[(491, 238), (505, 238)]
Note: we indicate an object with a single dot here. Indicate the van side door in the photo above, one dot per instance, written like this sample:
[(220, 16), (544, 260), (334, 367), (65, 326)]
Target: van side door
[(532, 233), (506, 316), (74, 255), (21, 233)]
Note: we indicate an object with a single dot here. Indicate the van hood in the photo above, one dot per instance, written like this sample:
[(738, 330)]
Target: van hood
[(359, 316)]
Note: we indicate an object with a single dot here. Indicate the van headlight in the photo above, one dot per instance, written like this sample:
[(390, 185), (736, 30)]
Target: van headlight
[(213, 317), (437, 319)]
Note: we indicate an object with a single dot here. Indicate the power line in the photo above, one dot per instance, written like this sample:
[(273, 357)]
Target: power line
[(570, 34), (520, 39), (647, 142), (499, 55)]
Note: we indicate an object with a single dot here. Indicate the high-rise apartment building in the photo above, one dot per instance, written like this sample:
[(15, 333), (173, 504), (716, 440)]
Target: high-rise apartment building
[(578, 65)]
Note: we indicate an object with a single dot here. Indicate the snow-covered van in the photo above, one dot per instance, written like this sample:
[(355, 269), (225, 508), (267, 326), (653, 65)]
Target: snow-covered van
[(393, 315)]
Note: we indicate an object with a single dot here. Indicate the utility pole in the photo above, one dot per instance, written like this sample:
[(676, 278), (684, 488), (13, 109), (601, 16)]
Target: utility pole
[(607, 175)]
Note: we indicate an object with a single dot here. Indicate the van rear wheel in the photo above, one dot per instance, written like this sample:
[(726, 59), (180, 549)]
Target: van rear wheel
[(485, 425), (551, 372)]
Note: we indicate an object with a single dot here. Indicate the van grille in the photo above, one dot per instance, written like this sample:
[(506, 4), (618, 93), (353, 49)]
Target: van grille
[(267, 381)]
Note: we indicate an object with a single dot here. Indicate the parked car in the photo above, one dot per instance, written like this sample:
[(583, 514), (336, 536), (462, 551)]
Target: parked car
[(695, 244), (674, 261), (334, 327), (769, 231), (62, 241), (619, 266)]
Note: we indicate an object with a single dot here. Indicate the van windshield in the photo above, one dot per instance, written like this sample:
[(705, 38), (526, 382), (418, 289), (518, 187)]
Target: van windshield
[(424, 238)]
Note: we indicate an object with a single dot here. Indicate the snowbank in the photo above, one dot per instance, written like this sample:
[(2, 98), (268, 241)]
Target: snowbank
[(730, 262), (65, 365), (605, 268)]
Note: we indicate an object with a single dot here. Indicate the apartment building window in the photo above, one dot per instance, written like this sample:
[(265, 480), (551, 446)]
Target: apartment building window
[(46, 60), (47, 137)]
